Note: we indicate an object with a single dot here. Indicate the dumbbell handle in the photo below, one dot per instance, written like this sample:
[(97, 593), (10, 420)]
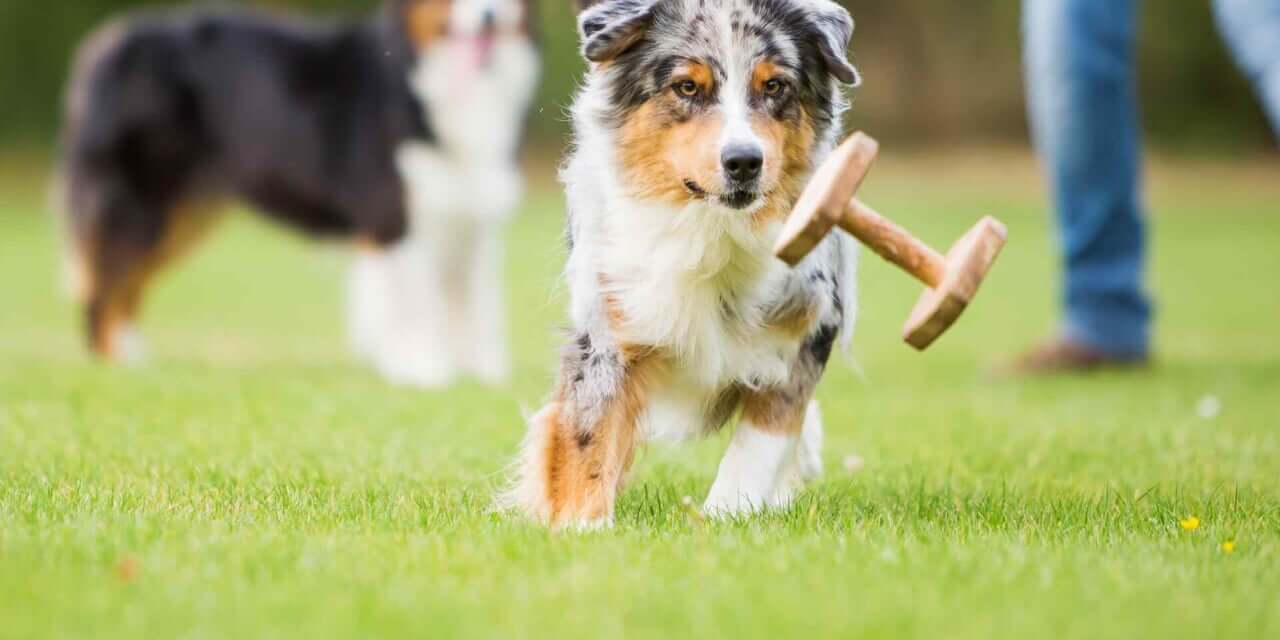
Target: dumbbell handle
[(893, 243)]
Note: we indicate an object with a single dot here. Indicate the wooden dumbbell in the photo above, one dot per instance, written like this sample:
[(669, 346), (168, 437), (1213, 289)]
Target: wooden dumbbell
[(952, 280)]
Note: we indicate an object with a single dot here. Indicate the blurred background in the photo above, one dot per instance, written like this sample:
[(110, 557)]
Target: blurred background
[(937, 72), (943, 92), (257, 480)]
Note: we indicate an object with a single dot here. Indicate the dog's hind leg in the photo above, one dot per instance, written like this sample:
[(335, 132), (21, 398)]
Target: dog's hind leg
[(123, 253), (111, 233)]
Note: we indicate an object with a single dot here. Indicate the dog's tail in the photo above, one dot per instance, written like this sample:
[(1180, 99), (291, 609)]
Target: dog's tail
[(76, 191), (119, 88)]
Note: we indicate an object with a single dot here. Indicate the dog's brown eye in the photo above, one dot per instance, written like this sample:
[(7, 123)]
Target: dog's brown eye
[(774, 87), (687, 88)]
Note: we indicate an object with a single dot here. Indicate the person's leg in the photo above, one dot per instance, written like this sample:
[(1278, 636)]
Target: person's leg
[(1252, 30), (1083, 109)]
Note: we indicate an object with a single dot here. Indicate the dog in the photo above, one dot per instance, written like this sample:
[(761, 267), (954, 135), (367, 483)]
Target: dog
[(397, 134), (696, 129)]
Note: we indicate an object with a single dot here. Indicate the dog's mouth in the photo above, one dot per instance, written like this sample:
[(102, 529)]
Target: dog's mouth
[(478, 45), (739, 199), (733, 199)]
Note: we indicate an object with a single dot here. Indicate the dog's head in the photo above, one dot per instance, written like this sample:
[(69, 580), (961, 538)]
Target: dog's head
[(474, 26), (722, 101)]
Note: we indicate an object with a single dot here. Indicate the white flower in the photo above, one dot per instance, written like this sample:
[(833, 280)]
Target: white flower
[(1208, 407)]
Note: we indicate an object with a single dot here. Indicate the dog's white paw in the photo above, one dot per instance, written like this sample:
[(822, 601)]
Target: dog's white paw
[(752, 473), (129, 347), (722, 503), (411, 369), (728, 502)]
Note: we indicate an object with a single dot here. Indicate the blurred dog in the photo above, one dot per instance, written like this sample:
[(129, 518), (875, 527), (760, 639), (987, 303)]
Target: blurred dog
[(399, 133), (697, 128)]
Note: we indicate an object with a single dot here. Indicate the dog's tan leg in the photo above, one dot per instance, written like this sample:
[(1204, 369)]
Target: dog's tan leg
[(578, 450), (123, 268)]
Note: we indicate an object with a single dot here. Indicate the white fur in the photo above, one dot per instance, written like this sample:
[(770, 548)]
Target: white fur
[(762, 471), (432, 306), (733, 95), (368, 303), (410, 346), (676, 411), (751, 473), (668, 267), (129, 346)]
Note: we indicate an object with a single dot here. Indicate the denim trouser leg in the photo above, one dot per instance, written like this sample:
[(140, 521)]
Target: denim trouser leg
[(1252, 31), (1084, 116)]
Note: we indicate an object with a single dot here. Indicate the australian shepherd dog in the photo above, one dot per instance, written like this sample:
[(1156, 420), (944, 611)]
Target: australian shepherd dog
[(397, 134), (696, 129)]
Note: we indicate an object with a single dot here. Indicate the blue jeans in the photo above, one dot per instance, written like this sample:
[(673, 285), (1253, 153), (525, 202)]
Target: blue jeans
[(1083, 106)]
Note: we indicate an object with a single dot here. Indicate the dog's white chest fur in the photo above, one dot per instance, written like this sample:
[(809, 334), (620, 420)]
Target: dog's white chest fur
[(477, 116), (695, 282)]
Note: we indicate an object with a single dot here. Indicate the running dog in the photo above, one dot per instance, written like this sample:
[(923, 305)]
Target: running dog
[(697, 127), (397, 134)]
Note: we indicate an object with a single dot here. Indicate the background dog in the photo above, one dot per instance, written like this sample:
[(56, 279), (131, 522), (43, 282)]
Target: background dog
[(398, 133), (697, 127)]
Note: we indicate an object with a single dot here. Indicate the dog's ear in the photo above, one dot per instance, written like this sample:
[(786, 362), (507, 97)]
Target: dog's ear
[(610, 27), (834, 27)]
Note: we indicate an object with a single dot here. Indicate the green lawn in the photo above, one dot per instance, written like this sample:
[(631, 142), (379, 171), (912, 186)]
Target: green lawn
[(254, 481)]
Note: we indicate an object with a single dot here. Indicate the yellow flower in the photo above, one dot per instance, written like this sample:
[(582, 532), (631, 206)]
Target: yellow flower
[(1228, 546), (1190, 523)]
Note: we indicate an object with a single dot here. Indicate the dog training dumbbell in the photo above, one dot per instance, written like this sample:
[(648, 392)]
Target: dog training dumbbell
[(952, 280)]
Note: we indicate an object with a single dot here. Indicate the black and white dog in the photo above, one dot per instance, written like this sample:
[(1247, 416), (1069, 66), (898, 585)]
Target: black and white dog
[(699, 124), (398, 134)]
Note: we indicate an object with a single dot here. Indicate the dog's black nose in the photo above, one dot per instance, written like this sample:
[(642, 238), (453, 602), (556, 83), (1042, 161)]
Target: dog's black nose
[(488, 19), (742, 162)]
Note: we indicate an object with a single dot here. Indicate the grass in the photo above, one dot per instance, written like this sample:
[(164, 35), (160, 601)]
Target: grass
[(254, 481)]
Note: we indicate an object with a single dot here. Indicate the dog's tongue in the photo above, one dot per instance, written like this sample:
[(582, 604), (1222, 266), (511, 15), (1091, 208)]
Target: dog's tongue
[(481, 48)]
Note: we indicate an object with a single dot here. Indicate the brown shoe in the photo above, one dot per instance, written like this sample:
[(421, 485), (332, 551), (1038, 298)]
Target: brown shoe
[(1065, 356)]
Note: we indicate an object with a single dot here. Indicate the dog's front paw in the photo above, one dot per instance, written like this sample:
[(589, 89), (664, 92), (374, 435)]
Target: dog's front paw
[(724, 506), (729, 502), (419, 372)]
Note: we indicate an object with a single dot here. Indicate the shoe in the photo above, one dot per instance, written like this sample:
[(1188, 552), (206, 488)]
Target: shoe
[(1066, 356)]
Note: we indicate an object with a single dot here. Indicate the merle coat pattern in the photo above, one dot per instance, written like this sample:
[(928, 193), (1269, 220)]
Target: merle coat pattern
[(698, 124)]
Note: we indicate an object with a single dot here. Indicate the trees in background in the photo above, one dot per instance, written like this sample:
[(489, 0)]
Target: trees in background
[(935, 70)]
